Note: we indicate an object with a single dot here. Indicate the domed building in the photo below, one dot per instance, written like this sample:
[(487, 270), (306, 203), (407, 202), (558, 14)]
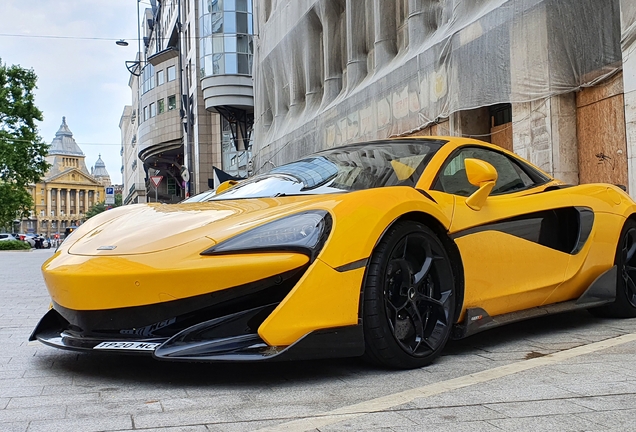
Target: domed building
[(68, 190), (100, 173)]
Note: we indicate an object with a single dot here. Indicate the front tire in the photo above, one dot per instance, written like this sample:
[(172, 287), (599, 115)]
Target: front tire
[(625, 260), (409, 298)]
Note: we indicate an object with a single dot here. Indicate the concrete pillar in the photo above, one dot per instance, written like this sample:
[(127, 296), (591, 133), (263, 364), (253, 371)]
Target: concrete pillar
[(565, 161), (385, 44), (545, 134), (330, 14), (313, 60), (424, 17), (628, 32), (544, 130), (356, 44)]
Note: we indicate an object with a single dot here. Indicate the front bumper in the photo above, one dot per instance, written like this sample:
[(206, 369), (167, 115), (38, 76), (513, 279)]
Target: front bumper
[(209, 341)]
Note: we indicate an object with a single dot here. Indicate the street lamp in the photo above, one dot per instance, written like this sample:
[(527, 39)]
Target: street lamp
[(122, 43)]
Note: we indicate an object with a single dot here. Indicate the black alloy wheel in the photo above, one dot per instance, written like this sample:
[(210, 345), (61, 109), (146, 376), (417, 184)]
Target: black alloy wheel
[(409, 298), (625, 260), (628, 265)]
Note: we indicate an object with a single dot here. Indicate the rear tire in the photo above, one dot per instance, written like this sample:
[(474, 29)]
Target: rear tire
[(409, 298), (625, 260)]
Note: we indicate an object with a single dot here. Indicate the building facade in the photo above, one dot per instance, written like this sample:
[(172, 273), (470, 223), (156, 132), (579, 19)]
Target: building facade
[(553, 81), (67, 191), (192, 106)]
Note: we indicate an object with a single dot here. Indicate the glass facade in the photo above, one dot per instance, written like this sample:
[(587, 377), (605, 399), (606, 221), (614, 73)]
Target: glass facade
[(226, 37), (235, 163), (147, 78)]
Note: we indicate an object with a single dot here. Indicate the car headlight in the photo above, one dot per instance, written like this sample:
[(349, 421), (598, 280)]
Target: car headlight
[(303, 232)]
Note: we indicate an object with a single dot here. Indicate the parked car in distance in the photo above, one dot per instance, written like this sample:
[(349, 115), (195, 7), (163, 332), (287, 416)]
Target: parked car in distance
[(41, 242), (29, 238), (7, 237)]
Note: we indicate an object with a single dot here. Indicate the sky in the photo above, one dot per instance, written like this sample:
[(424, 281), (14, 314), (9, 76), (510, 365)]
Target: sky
[(81, 71)]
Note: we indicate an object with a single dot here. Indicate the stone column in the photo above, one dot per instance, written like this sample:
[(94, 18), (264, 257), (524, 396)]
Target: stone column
[(58, 208), (331, 38), (85, 200), (385, 44), (313, 62), (356, 44), (67, 204), (424, 18), (77, 206), (58, 203), (48, 204)]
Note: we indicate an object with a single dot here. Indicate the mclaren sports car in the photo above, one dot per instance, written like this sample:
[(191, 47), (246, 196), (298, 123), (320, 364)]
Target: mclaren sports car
[(384, 249)]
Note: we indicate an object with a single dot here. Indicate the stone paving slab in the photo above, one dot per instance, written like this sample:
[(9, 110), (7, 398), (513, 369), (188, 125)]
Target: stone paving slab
[(45, 389)]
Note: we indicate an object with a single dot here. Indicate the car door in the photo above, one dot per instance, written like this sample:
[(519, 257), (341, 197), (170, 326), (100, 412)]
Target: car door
[(516, 248)]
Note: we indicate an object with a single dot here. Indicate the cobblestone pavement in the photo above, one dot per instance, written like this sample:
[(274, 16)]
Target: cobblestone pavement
[(501, 380)]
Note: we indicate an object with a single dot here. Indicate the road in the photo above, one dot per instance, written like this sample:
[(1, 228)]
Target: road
[(571, 372)]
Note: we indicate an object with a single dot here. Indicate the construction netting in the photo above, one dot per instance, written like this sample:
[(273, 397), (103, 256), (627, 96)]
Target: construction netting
[(467, 54)]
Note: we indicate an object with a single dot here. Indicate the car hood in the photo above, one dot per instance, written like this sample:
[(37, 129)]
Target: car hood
[(154, 227)]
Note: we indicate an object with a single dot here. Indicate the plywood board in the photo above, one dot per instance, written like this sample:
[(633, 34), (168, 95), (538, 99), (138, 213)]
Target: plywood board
[(424, 132), (502, 135), (602, 142), (441, 129), (607, 89), (437, 129)]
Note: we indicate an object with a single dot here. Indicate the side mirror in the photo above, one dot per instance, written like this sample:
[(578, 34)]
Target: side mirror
[(483, 175), (226, 185)]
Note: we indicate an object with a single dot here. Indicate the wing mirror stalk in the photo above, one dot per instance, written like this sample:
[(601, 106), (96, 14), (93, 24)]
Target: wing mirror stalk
[(483, 175)]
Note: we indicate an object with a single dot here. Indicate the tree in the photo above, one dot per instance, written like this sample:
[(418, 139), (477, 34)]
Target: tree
[(101, 207), (22, 151)]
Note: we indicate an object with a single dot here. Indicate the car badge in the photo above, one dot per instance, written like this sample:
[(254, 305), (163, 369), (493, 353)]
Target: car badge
[(106, 247)]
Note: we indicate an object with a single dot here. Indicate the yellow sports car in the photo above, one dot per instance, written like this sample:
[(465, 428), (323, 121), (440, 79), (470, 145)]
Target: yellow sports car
[(384, 249)]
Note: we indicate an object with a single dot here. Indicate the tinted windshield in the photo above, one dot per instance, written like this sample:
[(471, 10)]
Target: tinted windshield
[(343, 169)]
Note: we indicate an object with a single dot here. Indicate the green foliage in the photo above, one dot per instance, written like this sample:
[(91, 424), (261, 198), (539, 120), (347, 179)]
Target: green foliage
[(14, 245), (22, 151), (101, 207)]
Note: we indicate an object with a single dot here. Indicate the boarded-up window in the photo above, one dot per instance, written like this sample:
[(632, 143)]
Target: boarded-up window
[(600, 126), (501, 125)]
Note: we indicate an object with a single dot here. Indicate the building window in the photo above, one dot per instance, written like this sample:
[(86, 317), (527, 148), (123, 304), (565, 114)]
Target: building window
[(161, 106), (147, 78), (146, 113), (153, 110), (172, 73), (172, 102), (226, 45), (172, 186), (41, 212), (161, 78), (42, 201)]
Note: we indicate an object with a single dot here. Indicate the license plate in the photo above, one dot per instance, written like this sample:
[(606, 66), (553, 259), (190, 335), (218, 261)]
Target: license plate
[(130, 346)]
